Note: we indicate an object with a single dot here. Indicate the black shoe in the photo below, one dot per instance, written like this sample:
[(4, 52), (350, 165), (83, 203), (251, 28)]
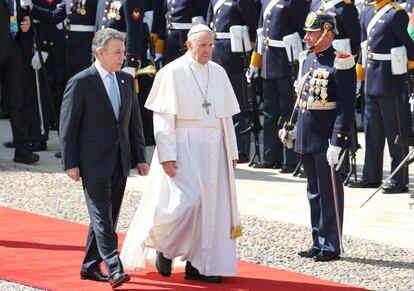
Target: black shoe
[(394, 188), (287, 169), (58, 155), (326, 256), (38, 146), (243, 158), (94, 276), (118, 279), (267, 165), (9, 144), (163, 265), (192, 273), (4, 115), (364, 184), (25, 157), (309, 253)]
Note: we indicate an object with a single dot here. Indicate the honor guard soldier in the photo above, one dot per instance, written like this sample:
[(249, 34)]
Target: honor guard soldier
[(348, 38), (279, 42), (383, 64), (52, 46), (126, 16), (178, 17), (233, 22), (325, 111), (14, 36), (80, 29)]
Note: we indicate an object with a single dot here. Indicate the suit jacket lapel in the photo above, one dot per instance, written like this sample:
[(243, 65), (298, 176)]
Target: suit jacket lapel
[(100, 89)]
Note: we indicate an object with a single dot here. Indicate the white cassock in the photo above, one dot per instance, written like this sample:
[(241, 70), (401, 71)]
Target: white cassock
[(193, 215)]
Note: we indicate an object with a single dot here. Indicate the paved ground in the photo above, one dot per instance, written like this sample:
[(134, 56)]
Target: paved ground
[(272, 196)]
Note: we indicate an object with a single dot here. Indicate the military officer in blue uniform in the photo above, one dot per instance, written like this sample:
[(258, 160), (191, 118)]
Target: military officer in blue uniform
[(223, 14), (348, 38), (325, 111), (126, 16), (178, 17), (280, 21), (383, 64)]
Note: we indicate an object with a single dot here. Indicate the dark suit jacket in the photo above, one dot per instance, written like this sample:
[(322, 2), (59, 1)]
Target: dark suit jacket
[(90, 135)]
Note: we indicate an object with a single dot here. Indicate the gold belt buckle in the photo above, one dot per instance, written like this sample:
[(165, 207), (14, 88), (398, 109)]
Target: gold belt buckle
[(370, 56), (266, 41)]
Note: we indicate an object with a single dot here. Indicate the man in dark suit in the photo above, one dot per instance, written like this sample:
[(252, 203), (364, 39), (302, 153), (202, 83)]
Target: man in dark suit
[(14, 27), (100, 135)]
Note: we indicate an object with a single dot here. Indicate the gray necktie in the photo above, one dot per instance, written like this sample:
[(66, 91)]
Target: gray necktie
[(114, 95)]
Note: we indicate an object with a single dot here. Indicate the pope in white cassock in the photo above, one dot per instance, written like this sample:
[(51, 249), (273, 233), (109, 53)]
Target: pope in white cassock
[(189, 206)]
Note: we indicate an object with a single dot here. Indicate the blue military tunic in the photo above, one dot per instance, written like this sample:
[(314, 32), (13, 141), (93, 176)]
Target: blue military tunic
[(126, 16), (326, 105), (286, 17), (347, 21), (179, 11), (232, 12), (325, 110)]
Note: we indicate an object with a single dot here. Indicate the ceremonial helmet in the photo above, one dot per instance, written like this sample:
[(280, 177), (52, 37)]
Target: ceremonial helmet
[(320, 21)]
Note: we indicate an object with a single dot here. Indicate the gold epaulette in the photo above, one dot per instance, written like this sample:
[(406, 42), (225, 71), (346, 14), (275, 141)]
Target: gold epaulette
[(395, 5), (343, 61)]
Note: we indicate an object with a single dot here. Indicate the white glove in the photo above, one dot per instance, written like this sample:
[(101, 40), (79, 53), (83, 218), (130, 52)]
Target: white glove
[(358, 87), (332, 155), (129, 70), (25, 3), (251, 73), (158, 57), (36, 60), (290, 137)]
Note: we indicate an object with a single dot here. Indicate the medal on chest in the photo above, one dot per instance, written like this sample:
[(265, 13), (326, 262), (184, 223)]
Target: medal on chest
[(114, 10), (80, 7), (318, 86)]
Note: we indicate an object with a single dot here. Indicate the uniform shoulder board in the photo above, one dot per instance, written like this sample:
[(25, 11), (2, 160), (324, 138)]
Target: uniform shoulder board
[(343, 61), (395, 5), (347, 1)]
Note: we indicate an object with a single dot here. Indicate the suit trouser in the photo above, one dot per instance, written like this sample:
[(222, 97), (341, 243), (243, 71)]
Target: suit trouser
[(320, 195), (277, 102), (103, 199), (385, 117), (238, 81), (12, 80)]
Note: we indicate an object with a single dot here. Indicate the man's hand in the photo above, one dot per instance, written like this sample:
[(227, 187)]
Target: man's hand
[(332, 155), (25, 24), (234, 162), (287, 137), (142, 169), (26, 3), (36, 60), (169, 168), (252, 73), (73, 173), (129, 70)]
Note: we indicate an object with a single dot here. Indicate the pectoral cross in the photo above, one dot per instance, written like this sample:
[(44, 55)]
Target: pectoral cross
[(206, 106)]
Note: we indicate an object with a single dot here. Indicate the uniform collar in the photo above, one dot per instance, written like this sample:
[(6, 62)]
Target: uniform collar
[(328, 51), (381, 4)]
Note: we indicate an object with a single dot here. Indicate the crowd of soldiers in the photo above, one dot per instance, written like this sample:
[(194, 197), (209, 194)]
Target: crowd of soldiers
[(58, 46)]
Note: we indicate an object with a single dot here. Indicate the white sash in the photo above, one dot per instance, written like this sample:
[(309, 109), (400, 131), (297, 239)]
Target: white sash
[(377, 17), (269, 7), (218, 4), (328, 5)]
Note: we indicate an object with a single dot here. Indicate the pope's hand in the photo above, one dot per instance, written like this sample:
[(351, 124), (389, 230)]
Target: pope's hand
[(332, 155), (142, 169), (251, 73), (36, 60), (234, 162), (169, 168), (73, 173), (129, 70)]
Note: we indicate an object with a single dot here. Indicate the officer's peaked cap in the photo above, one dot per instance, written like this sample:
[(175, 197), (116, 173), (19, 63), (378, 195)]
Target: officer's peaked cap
[(320, 21)]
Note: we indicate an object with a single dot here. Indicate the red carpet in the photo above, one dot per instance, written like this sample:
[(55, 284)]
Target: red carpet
[(46, 253)]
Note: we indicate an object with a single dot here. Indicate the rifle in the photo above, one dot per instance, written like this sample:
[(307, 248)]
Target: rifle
[(252, 115)]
